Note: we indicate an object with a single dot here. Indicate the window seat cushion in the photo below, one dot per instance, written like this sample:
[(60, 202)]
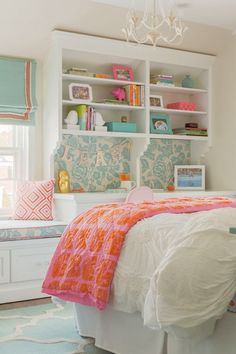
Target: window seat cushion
[(15, 230)]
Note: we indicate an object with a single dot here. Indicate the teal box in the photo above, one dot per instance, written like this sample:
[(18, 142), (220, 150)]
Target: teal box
[(121, 127), (232, 230)]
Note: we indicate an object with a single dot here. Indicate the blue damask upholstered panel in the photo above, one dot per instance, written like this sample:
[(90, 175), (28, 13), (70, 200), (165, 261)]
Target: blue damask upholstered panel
[(93, 164), (157, 163)]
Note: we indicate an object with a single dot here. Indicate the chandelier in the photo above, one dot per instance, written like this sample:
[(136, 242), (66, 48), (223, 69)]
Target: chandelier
[(158, 23)]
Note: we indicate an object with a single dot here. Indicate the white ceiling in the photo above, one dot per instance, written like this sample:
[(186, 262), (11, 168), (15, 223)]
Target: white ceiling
[(219, 13)]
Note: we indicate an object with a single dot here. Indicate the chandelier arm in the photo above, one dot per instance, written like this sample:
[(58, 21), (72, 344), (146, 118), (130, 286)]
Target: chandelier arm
[(153, 27)]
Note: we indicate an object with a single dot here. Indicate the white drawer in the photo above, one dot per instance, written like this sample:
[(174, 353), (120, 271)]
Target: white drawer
[(30, 263), (4, 266)]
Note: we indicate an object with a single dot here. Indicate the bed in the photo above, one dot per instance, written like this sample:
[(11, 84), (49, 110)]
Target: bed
[(171, 287)]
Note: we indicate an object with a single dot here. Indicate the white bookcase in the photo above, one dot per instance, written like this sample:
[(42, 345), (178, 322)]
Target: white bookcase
[(97, 55)]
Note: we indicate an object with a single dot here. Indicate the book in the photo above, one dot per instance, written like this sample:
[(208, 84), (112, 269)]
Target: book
[(191, 125), (191, 131), (104, 76)]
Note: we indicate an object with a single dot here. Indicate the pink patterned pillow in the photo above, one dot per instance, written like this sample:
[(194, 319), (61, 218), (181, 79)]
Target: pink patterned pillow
[(34, 200)]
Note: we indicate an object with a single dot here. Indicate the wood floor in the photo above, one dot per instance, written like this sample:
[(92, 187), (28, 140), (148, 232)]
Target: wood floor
[(13, 305)]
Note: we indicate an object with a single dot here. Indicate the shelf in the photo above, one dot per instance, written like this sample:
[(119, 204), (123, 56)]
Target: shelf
[(106, 134), (178, 137), (133, 135), (176, 89), (176, 111), (122, 107), (100, 81)]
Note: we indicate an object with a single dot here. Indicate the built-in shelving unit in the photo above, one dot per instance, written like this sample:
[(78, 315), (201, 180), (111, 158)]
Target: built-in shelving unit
[(98, 55)]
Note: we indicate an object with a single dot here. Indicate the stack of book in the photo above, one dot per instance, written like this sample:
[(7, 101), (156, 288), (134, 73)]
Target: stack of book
[(79, 71), (135, 95), (162, 80), (191, 131)]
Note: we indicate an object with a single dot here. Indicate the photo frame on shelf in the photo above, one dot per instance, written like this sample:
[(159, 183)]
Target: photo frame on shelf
[(80, 92), (156, 101), (189, 177), (122, 72), (160, 124)]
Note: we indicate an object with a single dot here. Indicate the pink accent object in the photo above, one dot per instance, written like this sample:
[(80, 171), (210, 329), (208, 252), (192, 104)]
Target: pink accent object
[(139, 194), (185, 106), (85, 260), (34, 200), (119, 93), (121, 72)]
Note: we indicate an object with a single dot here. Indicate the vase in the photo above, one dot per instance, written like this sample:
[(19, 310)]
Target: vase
[(187, 82)]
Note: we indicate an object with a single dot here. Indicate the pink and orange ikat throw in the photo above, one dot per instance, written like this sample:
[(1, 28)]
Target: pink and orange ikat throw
[(85, 260)]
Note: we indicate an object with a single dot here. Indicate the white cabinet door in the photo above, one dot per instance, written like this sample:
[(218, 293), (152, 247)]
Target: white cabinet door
[(31, 263), (4, 266)]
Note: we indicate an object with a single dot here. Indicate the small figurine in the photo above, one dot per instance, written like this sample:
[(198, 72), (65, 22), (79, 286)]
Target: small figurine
[(64, 181), (119, 93), (72, 118)]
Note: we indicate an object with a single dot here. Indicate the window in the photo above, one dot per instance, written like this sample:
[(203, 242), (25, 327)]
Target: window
[(13, 163)]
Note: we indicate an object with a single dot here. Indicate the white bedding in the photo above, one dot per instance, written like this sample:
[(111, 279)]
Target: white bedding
[(178, 270)]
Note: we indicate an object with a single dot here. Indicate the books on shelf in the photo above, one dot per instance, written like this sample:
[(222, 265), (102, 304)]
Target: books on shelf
[(79, 71), (135, 95), (162, 80), (191, 131)]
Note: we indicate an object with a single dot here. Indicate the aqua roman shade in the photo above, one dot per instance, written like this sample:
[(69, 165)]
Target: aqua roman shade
[(17, 91)]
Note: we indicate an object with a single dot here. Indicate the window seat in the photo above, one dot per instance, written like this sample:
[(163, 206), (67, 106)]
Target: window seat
[(14, 230), (24, 262)]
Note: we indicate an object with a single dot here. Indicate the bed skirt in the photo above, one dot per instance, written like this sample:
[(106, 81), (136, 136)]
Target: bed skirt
[(124, 333), (118, 332), (223, 340)]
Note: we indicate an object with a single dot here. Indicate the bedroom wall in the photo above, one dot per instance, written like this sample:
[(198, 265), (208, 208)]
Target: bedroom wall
[(220, 160), (30, 38)]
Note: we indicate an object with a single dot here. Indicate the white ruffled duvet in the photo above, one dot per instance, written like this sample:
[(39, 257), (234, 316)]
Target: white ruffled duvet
[(178, 270)]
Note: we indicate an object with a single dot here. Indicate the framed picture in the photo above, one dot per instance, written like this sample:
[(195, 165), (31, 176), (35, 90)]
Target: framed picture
[(190, 177), (160, 124), (156, 101), (121, 72), (80, 92)]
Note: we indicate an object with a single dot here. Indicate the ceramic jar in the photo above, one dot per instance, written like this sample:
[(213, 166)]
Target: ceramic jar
[(187, 82)]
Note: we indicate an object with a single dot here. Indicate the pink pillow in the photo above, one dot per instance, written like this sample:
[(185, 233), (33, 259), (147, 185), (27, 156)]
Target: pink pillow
[(34, 200)]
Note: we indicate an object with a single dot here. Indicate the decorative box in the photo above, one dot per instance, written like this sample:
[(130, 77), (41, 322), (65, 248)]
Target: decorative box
[(121, 127), (185, 106)]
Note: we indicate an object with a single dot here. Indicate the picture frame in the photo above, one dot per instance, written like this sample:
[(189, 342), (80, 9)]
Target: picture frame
[(189, 177), (80, 92), (122, 72), (160, 124), (156, 101)]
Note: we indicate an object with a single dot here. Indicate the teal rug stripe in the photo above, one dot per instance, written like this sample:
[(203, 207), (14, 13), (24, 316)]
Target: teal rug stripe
[(29, 330)]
